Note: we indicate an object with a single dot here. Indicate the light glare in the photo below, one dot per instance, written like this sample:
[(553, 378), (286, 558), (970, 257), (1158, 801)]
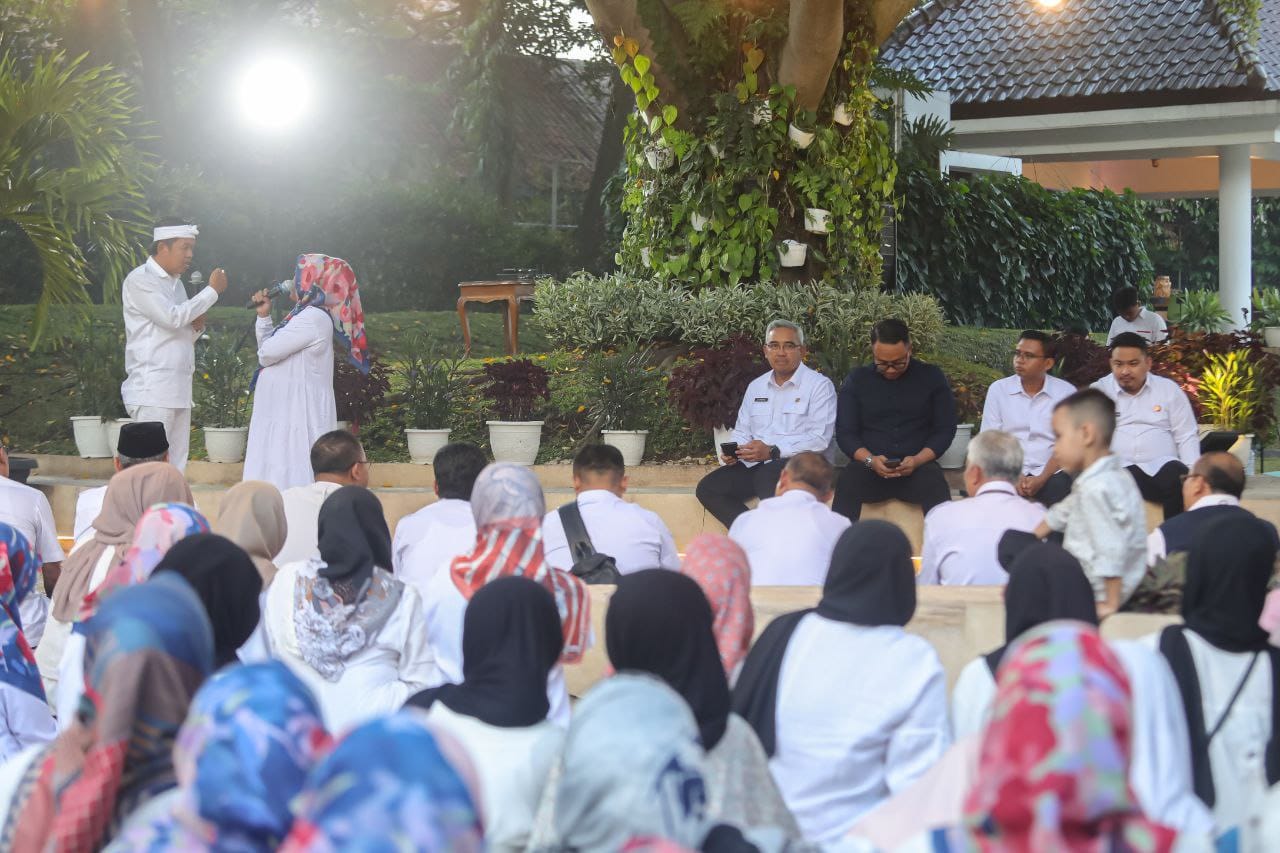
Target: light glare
[(273, 93)]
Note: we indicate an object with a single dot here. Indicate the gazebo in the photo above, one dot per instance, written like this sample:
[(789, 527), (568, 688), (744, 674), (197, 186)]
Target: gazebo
[(1169, 98)]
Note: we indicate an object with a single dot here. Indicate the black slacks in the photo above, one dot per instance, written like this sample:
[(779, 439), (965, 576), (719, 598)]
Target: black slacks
[(725, 491), (858, 484), (1164, 487), (1054, 489)]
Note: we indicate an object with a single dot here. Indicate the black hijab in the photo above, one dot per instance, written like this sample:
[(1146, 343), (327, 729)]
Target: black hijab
[(660, 622), (1228, 569), (228, 584), (511, 638), (353, 536), (1045, 583), (871, 582)]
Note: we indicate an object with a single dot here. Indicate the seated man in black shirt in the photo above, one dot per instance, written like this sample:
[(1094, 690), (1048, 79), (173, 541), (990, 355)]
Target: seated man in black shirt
[(894, 418)]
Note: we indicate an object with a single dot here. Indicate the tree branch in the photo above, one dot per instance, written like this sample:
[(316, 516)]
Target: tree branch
[(815, 32), (622, 17)]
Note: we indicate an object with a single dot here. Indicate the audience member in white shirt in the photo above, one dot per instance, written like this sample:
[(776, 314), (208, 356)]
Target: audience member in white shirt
[(789, 537), (961, 537), (337, 460), (786, 411), (1156, 435), (635, 537), (1211, 491), (1133, 317), (1022, 405), (427, 541), (140, 441), (27, 510)]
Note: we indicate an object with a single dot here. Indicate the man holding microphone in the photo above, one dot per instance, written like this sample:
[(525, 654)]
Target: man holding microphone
[(161, 326)]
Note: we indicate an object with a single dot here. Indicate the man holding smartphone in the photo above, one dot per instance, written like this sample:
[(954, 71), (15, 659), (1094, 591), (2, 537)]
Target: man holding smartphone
[(786, 411), (894, 418)]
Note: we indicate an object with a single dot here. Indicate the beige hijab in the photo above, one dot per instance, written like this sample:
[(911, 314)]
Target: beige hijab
[(252, 516), (129, 494)]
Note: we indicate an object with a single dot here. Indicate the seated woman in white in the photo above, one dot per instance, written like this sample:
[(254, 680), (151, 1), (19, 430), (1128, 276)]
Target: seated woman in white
[(24, 714), (511, 639), (1227, 673), (850, 707), (508, 506), (352, 632)]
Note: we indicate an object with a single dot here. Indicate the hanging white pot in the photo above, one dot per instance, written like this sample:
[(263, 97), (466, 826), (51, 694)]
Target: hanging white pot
[(424, 444), (515, 441), (800, 138), (660, 157), (721, 435), (630, 443), (843, 115), (762, 114), (225, 444), (959, 448), (698, 221), (793, 253), (646, 257), (90, 433), (113, 433), (816, 219)]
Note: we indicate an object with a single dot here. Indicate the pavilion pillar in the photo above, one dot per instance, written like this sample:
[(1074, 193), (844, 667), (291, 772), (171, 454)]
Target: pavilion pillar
[(1235, 232)]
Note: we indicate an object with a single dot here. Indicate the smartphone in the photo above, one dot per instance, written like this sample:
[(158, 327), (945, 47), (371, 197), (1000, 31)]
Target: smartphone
[(729, 448), (892, 463)]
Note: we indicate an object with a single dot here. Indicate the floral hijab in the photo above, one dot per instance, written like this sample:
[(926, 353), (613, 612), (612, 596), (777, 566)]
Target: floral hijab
[(330, 284), (243, 754), (1053, 767), (19, 567), (720, 567)]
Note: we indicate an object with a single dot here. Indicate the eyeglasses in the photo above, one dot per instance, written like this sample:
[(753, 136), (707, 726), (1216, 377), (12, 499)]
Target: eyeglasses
[(1188, 476), (787, 346), (1019, 355), (900, 364)]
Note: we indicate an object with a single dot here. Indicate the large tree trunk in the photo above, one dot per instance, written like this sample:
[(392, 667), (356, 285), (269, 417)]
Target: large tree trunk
[(591, 223), (814, 36), (151, 38)]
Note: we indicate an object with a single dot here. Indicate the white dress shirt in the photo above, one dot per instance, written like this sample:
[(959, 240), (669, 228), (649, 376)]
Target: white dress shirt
[(427, 541), (24, 721), (1149, 324), (798, 415), (1156, 548), (1029, 419), (789, 539), (1103, 522), (635, 537), (88, 507), (302, 514), (861, 714), (961, 538), (27, 510), (159, 350), (1154, 426)]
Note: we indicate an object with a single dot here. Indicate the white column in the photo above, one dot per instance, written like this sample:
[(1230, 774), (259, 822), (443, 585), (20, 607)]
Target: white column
[(1235, 231)]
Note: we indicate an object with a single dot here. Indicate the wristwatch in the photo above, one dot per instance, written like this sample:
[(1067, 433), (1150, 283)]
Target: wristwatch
[(775, 454), (870, 461)]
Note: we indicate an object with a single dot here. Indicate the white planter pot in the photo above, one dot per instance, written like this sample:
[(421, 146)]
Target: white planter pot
[(630, 442), (1243, 450), (843, 116), (343, 425), (720, 435), (225, 444), (660, 157), (959, 449), (698, 221), (646, 257), (762, 114), (799, 138), (90, 432), (424, 444), (816, 220), (792, 253), (1271, 334), (515, 441), (113, 433)]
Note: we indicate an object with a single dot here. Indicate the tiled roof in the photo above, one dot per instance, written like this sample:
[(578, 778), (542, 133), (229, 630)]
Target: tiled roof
[(1000, 57)]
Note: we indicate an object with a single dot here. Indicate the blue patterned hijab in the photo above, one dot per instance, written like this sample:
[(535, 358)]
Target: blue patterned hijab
[(19, 566)]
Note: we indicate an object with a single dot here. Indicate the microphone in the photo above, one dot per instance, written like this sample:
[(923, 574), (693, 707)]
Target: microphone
[(278, 289)]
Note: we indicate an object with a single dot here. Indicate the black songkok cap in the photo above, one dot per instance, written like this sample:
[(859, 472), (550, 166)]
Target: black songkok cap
[(142, 440)]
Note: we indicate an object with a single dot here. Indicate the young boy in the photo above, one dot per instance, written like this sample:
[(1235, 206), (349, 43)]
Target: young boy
[(1103, 520)]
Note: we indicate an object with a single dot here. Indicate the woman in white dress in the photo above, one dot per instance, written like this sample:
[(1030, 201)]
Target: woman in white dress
[(293, 402), (850, 707), (352, 632)]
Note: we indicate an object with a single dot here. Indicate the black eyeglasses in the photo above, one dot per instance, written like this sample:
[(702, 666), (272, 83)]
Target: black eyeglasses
[(1019, 355), (788, 346), (900, 364), (1188, 476)]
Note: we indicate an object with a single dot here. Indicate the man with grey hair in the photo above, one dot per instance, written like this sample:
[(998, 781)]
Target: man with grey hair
[(961, 537), (786, 411)]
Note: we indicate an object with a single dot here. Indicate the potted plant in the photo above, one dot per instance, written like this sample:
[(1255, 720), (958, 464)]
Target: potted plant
[(224, 369), (1198, 311), (958, 450), (622, 388), (517, 388), (98, 364), (1266, 314), (792, 253), (1230, 398), (357, 396), (707, 389), (812, 179), (428, 395)]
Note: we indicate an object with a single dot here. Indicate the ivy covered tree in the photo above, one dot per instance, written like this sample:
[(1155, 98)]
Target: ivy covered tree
[(757, 123)]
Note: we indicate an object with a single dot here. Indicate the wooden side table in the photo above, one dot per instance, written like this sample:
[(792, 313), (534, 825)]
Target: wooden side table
[(512, 292)]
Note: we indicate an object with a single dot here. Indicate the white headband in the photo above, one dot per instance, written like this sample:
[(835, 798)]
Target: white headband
[(170, 232)]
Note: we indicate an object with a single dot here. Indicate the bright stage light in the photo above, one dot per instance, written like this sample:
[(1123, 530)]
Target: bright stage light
[(1050, 4), (273, 93)]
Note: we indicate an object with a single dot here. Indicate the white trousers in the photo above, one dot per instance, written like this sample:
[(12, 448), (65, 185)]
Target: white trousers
[(177, 429)]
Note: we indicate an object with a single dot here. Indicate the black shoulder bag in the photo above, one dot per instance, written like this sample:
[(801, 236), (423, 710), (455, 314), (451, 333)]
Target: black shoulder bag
[(589, 565)]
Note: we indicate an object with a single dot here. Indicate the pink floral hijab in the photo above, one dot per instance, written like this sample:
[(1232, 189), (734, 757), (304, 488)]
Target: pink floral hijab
[(720, 567), (330, 284)]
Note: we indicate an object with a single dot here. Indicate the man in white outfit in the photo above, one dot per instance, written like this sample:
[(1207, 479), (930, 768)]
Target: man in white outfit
[(427, 541), (161, 326), (337, 459), (27, 510), (139, 442)]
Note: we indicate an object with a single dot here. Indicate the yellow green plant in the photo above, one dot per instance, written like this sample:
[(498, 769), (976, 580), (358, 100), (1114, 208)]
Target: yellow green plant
[(1230, 391)]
